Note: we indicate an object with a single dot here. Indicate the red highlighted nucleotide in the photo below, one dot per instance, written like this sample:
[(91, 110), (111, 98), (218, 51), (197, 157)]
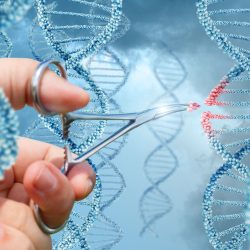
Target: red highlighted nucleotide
[(193, 106), (212, 99)]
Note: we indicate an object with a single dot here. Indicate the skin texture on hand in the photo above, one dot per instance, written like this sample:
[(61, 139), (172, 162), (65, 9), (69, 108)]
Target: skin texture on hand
[(36, 176)]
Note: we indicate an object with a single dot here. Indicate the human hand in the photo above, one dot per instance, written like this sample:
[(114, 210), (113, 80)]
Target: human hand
[(36, 175)]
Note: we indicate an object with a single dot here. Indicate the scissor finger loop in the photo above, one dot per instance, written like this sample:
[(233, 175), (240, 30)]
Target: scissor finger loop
[(39, 106), (36, 84)]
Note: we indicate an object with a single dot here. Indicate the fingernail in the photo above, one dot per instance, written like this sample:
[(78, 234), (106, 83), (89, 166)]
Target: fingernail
[(45, 181), (2, 232)]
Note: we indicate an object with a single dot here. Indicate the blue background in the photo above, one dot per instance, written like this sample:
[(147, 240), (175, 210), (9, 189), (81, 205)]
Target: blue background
[(175, 23)]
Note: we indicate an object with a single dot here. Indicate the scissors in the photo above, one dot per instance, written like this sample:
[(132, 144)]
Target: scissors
[(134, 120)]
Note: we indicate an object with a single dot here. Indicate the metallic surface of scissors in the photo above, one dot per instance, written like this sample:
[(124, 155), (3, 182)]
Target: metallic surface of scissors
[(134, 120)]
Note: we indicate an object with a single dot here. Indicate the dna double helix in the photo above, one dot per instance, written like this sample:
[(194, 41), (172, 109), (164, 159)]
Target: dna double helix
[(5, 45), (104, 233), (99, 15), (225, 198), (111, 185), (11, 12), (88, 27), (9, 132), (109, 72), (162, 161), (74, 41), (8, 119)]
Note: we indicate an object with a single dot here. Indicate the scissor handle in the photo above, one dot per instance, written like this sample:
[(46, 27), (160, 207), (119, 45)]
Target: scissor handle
[(36, 81)]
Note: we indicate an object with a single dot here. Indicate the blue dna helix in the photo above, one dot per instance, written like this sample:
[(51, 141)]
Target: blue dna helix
[(5, 45), (98, 15), (9, 124), (104, 233), (227, 25), (77, 26), (9, 133), (105, 65), (11, 12), (108, 71), (111, 183), (162, 161), (226, 197), (74, 41), (76, 44)]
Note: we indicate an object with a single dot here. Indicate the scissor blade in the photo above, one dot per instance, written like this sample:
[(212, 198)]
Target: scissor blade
[(169, 109), (140, 119), (159, 112)]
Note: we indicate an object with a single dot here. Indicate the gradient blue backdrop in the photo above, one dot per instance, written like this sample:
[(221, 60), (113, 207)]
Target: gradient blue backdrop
[(174, 22)]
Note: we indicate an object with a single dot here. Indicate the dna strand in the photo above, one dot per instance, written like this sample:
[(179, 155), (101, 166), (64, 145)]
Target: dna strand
[(162, 162), (110, 185), (90, 130), (5, 45), (107, 64), (104, 233), (77, 46), (105, 68), (9, 132), (5, 42), (108, 71), (74, 44), (8, 120), (77, 226), (223, 206), (104, 13), (225, 198), (11, 12), (111, 179), (124, 24), (76, 26), (228, 26)]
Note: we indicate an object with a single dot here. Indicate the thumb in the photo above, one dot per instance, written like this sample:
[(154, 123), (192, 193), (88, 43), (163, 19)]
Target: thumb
[(51, 190)]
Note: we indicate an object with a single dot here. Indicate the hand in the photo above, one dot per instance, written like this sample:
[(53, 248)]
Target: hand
[(36, 175)]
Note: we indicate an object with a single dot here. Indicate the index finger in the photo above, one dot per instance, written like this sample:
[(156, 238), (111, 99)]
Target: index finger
[(57, 94), (31, 151)]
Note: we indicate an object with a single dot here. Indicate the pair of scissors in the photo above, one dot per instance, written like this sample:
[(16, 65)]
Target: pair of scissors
[(134, 120)]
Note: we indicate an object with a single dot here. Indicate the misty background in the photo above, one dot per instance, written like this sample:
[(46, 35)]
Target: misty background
[(175, 23)]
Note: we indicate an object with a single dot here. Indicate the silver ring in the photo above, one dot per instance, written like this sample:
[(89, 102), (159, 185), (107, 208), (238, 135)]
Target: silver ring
[(38, 105), (35, 85), (42, 225)]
